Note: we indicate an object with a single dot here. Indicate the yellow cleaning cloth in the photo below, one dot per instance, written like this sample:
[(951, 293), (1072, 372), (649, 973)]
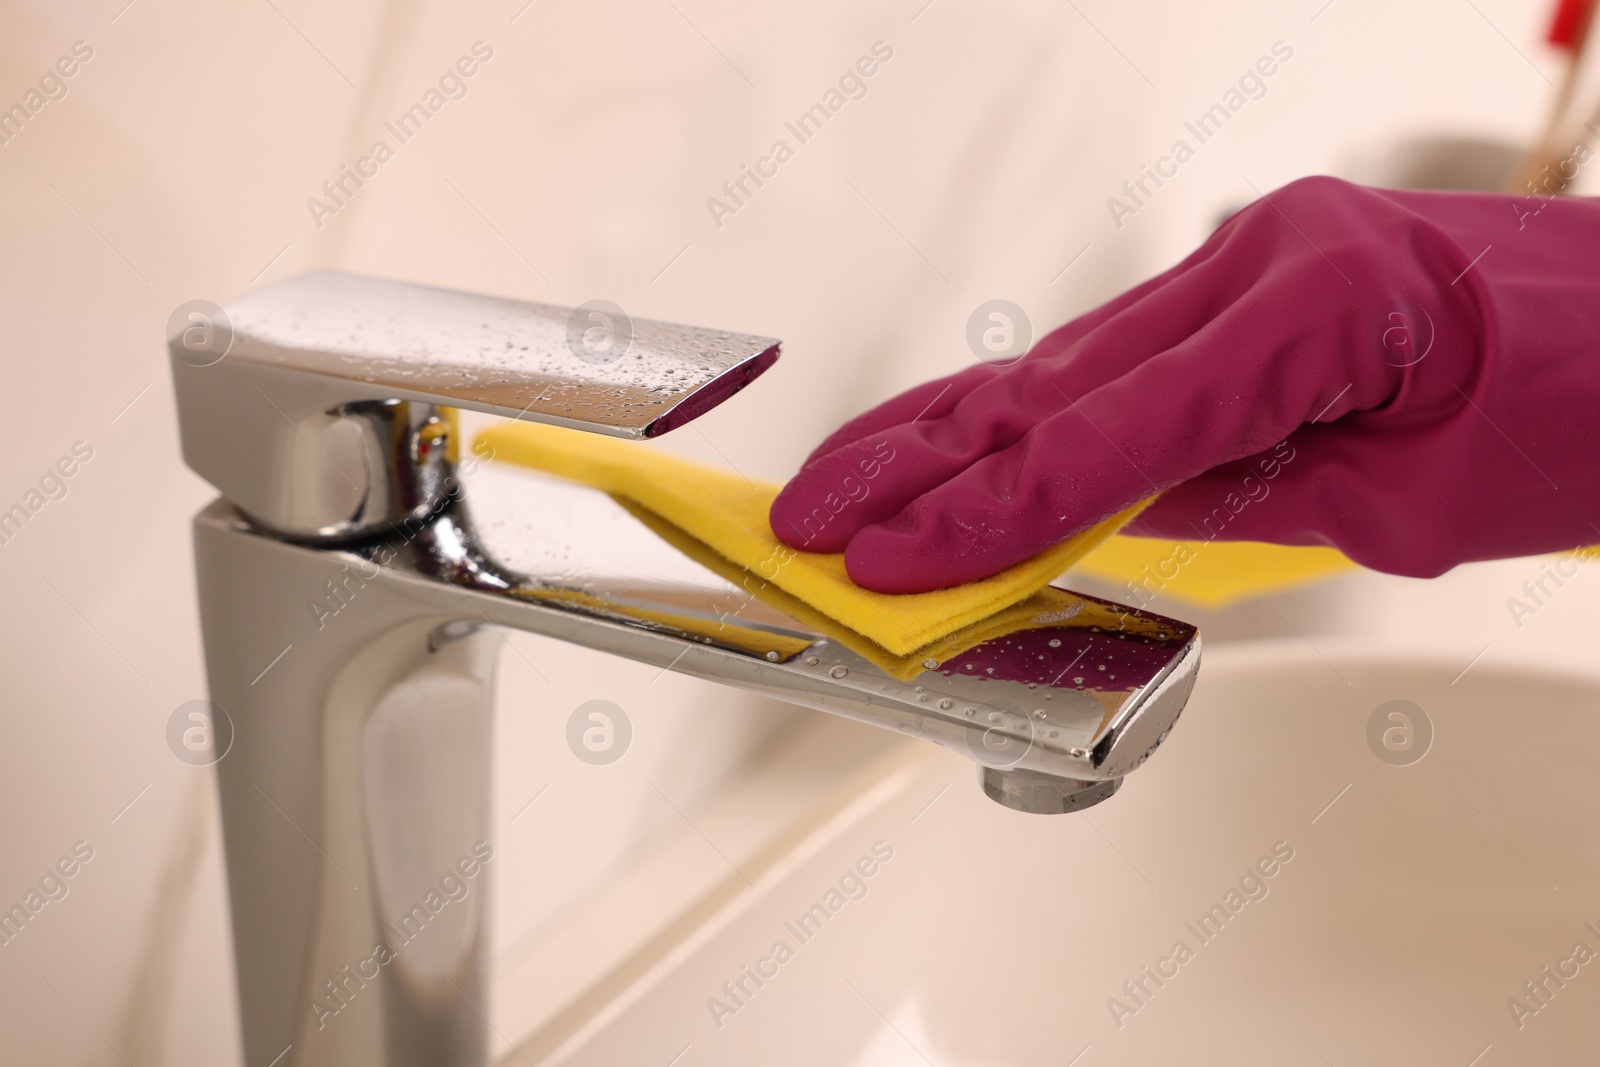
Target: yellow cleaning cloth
[(1208, 574), (728, 513), (1048, 607)]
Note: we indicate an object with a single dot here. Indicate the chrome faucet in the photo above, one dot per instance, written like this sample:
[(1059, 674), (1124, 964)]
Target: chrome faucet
[(350, 608)]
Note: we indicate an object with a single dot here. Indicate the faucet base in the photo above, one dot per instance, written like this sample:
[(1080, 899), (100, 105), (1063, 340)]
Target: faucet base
[(1043, 794)]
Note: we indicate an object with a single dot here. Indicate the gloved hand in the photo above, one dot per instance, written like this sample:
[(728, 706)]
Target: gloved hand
[(1411, 377)]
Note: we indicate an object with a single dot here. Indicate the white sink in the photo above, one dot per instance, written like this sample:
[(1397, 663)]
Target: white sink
[(1417, 902)]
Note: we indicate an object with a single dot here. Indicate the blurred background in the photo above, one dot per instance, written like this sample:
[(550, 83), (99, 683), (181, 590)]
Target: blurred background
[(181, 159)]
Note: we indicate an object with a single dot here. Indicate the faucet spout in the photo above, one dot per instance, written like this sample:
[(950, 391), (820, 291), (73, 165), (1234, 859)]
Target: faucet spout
[(1073, 697)]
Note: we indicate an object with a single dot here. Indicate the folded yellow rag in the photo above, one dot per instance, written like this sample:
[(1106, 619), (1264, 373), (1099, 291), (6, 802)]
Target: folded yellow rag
[(728, 513), (1047, 607)]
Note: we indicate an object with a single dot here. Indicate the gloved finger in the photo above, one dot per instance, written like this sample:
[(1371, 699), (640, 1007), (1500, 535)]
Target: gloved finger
[(937, 398), (1238, 501), (1166, 421), (872, 478), (932, 400)]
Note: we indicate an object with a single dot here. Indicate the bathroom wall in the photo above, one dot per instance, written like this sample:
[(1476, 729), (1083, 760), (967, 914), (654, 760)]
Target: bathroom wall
[(586, 157)]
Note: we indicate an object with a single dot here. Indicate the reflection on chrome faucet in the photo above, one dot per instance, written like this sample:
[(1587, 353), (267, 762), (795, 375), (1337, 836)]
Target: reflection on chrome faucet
[(453, 886)]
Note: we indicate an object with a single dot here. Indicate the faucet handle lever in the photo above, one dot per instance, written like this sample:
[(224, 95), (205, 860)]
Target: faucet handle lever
[(318, 418)]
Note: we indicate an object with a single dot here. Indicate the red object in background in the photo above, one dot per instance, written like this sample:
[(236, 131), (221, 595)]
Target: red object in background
[(1566, 25)]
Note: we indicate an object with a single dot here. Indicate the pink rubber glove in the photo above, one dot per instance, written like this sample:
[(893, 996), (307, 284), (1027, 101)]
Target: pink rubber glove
[(1411, 377)]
